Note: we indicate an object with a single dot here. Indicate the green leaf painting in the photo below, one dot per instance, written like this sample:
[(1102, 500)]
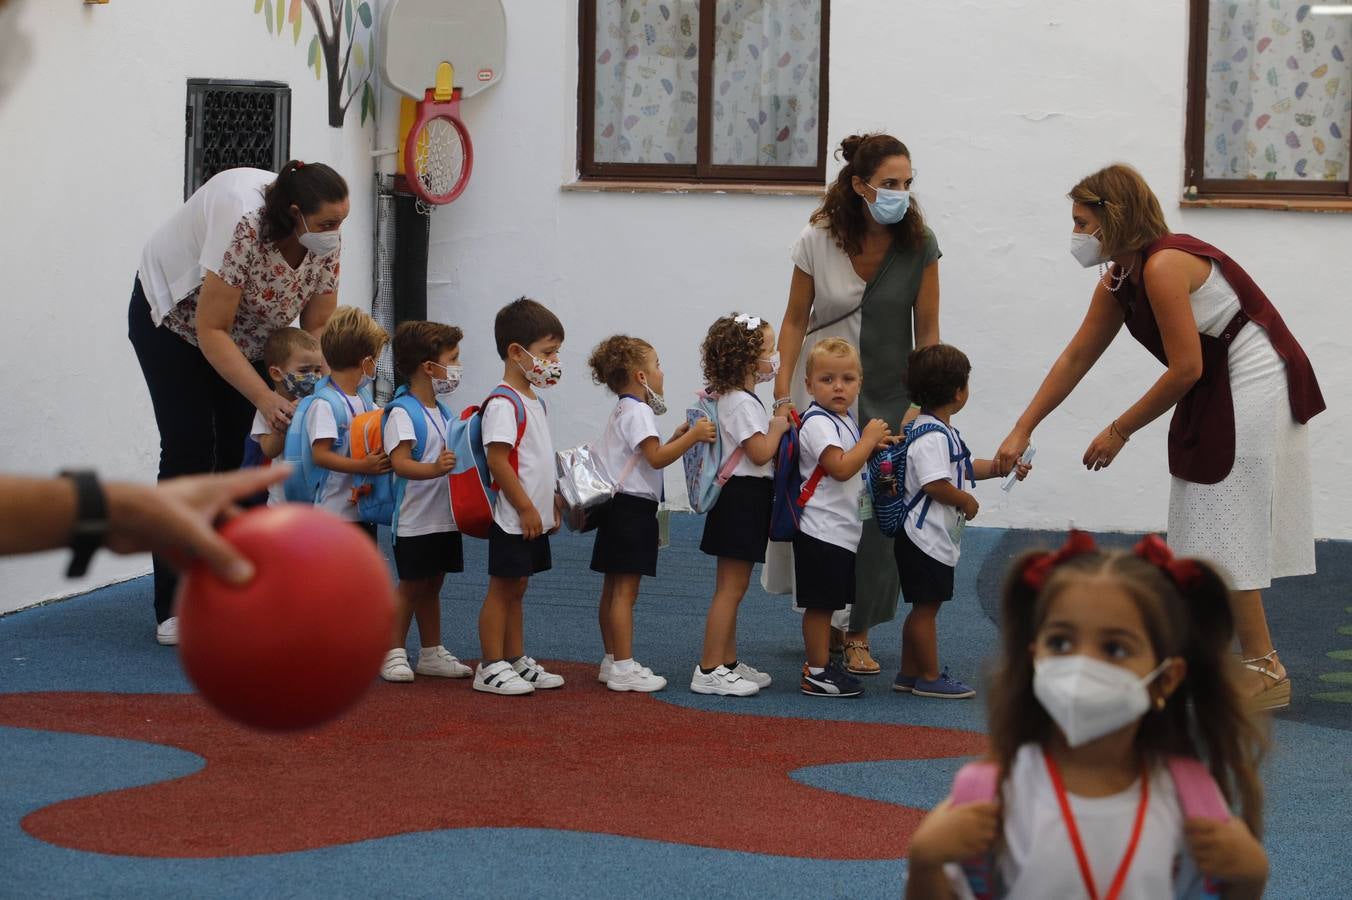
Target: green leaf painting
[(343, 46)]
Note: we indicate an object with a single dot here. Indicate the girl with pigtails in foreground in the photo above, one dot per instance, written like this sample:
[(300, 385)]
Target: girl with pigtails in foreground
[(1114, 681)]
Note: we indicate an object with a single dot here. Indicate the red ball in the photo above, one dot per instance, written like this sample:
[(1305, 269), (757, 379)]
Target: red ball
[(300, 642)]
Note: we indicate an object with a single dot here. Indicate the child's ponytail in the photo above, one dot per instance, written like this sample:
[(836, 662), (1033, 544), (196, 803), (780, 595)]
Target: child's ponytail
[(1228, 739)]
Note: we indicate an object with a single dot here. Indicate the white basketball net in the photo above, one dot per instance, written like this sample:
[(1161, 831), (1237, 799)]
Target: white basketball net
[(440, 159)]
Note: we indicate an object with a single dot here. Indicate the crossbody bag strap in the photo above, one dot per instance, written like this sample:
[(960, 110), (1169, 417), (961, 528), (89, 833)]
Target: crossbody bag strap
[(868, 292)]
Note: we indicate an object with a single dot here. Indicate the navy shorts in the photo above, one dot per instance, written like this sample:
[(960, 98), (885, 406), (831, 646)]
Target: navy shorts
[(512, 556), (428, 555)]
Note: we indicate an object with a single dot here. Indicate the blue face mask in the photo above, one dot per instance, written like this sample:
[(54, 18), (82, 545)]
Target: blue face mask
[(888, 207), (300, 385)]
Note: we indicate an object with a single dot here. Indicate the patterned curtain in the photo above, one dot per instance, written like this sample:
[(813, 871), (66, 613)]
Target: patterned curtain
[(1279, 91), (647, 67), (766, 82)]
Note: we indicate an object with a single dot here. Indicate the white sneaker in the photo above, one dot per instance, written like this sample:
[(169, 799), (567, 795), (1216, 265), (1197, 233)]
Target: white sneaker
[(755, 676), (535, 674), (721, 681), (500, 678), (636, 679), (395, 667), (167, 632), (607, 666), (438, 661)]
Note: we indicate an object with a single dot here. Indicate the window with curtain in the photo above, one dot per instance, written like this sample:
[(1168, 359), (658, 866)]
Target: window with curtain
[(1270, 100), (703, 90)]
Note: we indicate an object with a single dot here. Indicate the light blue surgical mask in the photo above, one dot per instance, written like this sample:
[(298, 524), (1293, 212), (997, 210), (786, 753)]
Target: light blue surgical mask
[(888, 207)]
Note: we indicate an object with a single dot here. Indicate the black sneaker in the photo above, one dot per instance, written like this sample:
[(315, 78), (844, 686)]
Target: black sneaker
[(832, 682)]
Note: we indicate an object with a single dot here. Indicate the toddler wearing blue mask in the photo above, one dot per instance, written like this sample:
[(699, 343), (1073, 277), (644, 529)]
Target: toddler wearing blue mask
[(294, 365)]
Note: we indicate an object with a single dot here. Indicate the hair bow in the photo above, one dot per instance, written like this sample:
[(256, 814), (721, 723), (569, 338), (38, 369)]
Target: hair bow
[(1184, 572), (1039, 568), (752, 323)]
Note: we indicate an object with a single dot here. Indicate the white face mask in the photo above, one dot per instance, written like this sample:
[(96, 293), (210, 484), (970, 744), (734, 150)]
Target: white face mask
[(543, 373), (1087, 249), (1088, 698), (773, 360), (320, 243), (445, 386), (655, 400)]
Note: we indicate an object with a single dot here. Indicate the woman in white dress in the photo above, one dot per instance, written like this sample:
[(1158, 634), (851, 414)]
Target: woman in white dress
[(866, 269), (1241, 387)]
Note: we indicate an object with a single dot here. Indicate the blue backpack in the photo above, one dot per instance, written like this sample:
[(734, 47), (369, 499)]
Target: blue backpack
[(791, 493), (707, 466), (307, 481), (887, 478), (414, 408)]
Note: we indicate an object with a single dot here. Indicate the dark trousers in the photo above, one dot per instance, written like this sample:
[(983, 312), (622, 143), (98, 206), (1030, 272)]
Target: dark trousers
[(202, 420)]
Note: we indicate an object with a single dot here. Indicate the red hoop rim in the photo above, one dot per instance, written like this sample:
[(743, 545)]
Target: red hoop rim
[(427, 113)]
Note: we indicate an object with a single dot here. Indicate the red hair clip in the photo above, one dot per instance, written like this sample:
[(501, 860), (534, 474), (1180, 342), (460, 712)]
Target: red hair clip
[(1039, 568), (1155, 551)]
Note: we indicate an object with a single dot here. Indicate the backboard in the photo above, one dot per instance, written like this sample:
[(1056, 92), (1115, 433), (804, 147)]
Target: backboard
[(418, 35)]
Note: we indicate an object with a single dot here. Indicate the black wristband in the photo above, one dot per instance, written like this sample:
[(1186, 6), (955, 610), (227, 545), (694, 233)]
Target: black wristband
[(91, 520)]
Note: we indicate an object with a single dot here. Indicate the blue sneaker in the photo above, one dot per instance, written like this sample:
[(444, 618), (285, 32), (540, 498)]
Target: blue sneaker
[(942, 688), (904, 684), (831, 682)]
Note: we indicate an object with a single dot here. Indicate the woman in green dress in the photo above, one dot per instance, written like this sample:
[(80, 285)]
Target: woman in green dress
[(866, 269)]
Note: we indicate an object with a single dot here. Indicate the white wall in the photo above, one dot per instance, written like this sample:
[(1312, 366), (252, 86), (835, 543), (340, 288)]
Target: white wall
[(91, 139), (1005, 104)]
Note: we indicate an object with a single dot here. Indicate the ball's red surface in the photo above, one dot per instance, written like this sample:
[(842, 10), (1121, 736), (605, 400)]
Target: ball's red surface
[(299, 643)]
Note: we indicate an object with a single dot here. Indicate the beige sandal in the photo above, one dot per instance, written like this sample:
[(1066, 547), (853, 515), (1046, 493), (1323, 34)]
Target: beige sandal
[(1273, 696), (858, 660)]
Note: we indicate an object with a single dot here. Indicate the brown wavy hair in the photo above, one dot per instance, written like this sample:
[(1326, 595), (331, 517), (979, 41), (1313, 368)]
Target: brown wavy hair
[(614, 360), (844, 211), (1129, 212), (307, 186), (1204, 718), (730, 352)]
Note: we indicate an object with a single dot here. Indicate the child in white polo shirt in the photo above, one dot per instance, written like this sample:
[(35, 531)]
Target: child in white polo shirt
[(832, 454)]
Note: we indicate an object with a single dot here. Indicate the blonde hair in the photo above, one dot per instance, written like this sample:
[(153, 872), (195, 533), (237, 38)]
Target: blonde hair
[(832, 346), (350, 336), (1129, 213), (284, 342)]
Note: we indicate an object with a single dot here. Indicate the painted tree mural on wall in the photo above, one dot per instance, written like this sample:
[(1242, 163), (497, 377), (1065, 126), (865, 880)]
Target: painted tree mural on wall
[(344, 46)]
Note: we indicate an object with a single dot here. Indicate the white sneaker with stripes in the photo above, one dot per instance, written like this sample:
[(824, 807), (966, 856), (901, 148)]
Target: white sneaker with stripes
[(500, 678), (534, 674), (755, 676)]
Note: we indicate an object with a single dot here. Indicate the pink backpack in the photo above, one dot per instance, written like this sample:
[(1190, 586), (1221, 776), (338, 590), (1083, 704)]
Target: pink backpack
[(978, 782)]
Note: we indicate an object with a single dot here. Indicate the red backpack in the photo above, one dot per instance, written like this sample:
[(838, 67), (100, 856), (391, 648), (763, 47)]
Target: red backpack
[(474, 493)]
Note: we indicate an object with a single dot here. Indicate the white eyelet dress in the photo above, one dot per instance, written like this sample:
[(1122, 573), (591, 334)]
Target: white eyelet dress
[(1256, 524)]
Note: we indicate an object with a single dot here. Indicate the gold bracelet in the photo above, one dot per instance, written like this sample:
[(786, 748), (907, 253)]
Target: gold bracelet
[(1117, 431)]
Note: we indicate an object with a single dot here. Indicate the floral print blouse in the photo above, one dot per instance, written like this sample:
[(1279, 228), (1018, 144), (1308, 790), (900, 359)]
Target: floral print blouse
[(272, 294)]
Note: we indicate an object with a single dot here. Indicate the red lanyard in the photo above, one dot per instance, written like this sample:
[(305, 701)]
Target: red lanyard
[(1085, 872)]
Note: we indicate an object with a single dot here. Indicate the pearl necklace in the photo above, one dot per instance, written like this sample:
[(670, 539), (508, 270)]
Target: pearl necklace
[(1107, 275)]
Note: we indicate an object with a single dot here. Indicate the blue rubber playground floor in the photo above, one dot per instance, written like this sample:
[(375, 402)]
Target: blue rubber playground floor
[(116, 782)]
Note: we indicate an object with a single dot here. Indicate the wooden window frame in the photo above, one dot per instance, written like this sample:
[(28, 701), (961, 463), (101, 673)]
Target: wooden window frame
[(1241, 189), (703, 171)]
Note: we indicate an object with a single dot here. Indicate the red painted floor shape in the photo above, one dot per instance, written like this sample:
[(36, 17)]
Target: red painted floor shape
[(436, 755)]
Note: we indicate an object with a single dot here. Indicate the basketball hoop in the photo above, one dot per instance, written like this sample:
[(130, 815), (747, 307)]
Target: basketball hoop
[(438, 38), (438, 153)]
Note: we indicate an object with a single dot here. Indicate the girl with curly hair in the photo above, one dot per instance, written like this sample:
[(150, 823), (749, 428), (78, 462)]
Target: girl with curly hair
[(632, 456), (738, 354)]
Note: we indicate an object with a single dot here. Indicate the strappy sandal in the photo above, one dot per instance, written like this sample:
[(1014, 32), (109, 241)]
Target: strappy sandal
[(1275, 695), (858, 660)]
